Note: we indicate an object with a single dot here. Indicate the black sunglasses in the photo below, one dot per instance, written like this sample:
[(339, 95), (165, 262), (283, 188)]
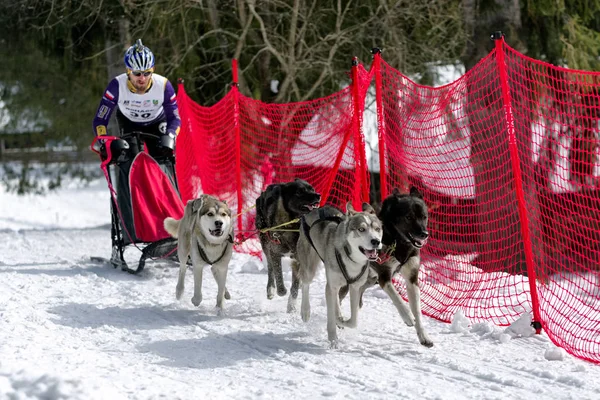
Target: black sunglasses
[(140, 73)]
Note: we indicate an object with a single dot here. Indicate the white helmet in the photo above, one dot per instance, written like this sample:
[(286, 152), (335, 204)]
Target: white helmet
[(138, 57)]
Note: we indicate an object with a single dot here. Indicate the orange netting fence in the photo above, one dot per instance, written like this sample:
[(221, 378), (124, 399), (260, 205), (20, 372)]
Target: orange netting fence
[(506, 156)]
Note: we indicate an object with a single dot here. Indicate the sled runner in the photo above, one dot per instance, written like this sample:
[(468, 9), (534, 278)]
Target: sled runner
[(143, 193)]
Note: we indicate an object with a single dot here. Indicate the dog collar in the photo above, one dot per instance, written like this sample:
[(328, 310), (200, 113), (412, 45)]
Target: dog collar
[(204, 257)]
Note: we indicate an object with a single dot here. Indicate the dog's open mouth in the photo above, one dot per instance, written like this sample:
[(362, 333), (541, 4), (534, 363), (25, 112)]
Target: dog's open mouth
[(216, 232), (418, 243), (311, 207), (371, 254)]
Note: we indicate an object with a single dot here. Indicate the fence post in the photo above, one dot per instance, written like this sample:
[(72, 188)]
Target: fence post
[(498, 38), (187, 190), (380, 123), (359, 146), (238, 142), (340, 155)]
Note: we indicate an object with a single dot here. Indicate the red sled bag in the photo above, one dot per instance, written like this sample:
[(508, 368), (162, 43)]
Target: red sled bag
[(143, 193)]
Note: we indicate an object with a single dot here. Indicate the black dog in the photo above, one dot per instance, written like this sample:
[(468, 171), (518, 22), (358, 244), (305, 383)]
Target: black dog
[(404, 220), (279, 204)]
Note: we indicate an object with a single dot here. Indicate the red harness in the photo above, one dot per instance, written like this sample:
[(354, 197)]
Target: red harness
[(385, 257)]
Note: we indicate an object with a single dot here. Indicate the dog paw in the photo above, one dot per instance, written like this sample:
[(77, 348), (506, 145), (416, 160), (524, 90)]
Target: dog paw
[(291, 306), (282, 291), (270, 293), (227, 295), (334, 344), (346, 323), (305, 314), (196, 300), (409, 320), (178, 291), (425, 341)]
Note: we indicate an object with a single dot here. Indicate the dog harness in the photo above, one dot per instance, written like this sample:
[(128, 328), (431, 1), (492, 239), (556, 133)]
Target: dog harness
[(333, 218), (204, 257), (387, 254), (342, 266)]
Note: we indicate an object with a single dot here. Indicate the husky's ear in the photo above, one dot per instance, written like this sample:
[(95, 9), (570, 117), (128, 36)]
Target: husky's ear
[(415, 192), (350, 209), (396, 192), (366, 207), (197, 205)]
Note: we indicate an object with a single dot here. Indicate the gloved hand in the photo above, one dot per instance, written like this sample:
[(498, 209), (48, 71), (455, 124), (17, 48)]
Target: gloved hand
[(167, 141), (119, 150), (99, 147)]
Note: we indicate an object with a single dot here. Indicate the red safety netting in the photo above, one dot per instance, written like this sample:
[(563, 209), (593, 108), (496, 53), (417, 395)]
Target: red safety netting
[(558, 111), (236, 148), (451, 148), (507, 158)]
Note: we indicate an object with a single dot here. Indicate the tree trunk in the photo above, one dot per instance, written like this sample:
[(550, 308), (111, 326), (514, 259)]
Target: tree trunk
[(115, 48)]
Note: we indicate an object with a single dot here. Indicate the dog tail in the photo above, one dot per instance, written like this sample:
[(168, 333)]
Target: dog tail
[(172, 226)]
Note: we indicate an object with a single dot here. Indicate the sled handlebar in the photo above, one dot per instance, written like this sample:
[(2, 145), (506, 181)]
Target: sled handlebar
[(140, 134)]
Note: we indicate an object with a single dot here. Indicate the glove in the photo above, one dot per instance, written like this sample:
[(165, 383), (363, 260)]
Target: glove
[(99, 147), (167, 141), (119, 150)]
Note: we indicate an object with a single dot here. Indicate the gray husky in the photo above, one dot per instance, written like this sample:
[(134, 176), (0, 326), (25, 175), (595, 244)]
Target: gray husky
[(345, 244), (278, 205), (206, 233), (404, 220)]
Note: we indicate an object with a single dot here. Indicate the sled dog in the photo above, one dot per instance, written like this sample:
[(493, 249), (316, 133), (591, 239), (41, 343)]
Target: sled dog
[(404, 220), (345, 244), (206, 233), (278, 205)]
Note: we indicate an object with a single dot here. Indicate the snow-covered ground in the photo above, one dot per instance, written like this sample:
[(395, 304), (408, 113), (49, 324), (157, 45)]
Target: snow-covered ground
[(71, 329)]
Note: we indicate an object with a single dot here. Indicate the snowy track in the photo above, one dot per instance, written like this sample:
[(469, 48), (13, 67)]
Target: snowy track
[(72, 328)]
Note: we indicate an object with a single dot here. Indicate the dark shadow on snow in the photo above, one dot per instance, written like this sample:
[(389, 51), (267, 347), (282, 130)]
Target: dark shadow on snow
[(83, 316), (86, 267), (217, 351)]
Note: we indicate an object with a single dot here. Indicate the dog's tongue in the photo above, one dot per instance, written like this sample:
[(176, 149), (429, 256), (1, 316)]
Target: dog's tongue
[(371, 254)]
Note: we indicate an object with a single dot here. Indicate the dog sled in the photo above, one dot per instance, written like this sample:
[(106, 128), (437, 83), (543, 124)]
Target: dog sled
[(144, 192)]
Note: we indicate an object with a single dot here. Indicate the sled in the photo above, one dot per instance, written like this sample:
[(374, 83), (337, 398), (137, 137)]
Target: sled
[(144, 192)]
